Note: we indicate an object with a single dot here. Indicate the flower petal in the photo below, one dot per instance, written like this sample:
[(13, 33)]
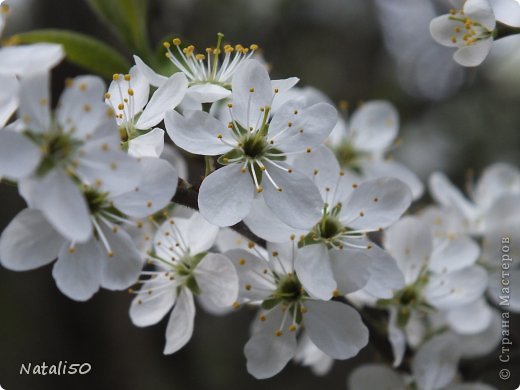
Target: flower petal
[(19, 156), (226, 196), (165, 99), (374, 126), (456, 289), (228, 239), (176, 159), (118, 92), (296, 201), (252, 90), (335, 328), (497, 180), (409, 241), (148, 309), (396, 337), (322, 167), (351, 269), (29, 242), (8, 97), (435, 363), (252, 271), (310, 355), (503, 215), (387, 168), (180, 324), (385, 275), (475, 54), (376, 204), (472, 318), (153, 78), (60, 200), (35, 101), (454, 254), (313, 267), (307, 128), (150, 144), (444, 222), (480, 11), (483, 343), (266, 353), (154, 191), (265, 224), (442, 30), (198, 133), (81, 109), (110, 170), (283, 85), (207, 93), (199, 234), (78, 271), (28, 59), (121, 262), (217, 279)]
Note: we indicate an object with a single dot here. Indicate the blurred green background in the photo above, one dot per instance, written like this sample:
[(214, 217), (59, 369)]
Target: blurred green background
[(453, 119)]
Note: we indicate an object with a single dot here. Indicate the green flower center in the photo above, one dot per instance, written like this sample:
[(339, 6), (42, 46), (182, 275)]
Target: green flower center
[(289, 290), (96, 201), (409, 296), (57, 148), (185, 268), (348, 156), (254, 147), (330, 227)]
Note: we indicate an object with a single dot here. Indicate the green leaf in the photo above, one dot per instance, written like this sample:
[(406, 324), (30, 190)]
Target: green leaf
[(83, 50), (128, 18)]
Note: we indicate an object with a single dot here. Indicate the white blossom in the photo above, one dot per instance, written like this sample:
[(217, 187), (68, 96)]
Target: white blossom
[(435, 278), (79, 143), (340, 247), (209, 76), (109, 258), (286, 307), (364, 143), (183, 268), (434, 367), (253, 150), (128, 95), (469, 29)]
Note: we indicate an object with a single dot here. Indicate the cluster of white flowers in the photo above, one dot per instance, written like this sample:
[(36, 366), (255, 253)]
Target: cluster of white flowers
[(320, 193)]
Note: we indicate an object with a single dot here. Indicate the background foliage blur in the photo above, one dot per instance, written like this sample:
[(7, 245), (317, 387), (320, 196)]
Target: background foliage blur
[(453, 119)]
